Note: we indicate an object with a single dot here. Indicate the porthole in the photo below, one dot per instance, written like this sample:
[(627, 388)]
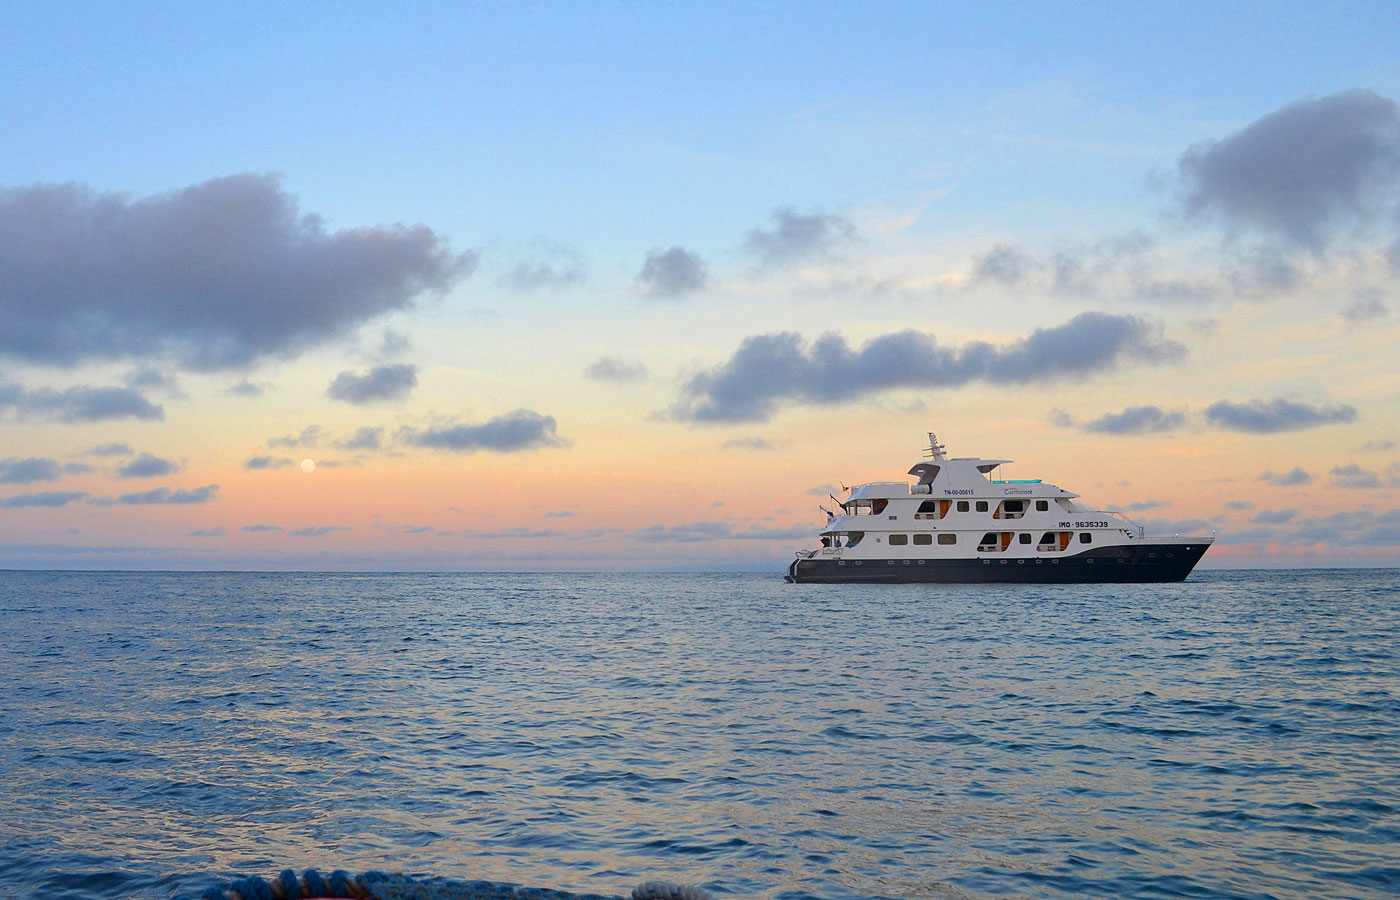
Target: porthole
[(1020, 562)]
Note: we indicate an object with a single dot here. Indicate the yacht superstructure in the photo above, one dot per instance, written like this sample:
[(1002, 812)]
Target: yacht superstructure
[(956, 524)]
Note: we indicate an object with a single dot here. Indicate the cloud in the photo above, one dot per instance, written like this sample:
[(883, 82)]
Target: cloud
[(697, 532), (771, 369), (1181, 526), (1364, 310), (1274, 516), (1238, 504), (550, 265), (315, 531), (1007, 265), (1353, 476), (216, 531), (43, 498), (795, 236), (247, 388), (164, 495), (1292, 478), (1137, 420), (748, 443), (258, 529), (1381, 445), (1272, 416), (214, 275), (258, 463), (393, 344), (560, 514), (517, 532), (308, 438), (30, 470), (147, 466), (116, 448), (611, 368), (672, 273), (388, 382), (1302, 171), (521, 429), (366, 438), (1144, 505), (84, 403)]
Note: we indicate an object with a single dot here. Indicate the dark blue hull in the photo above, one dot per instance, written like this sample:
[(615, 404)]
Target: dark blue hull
[(1103, 565)]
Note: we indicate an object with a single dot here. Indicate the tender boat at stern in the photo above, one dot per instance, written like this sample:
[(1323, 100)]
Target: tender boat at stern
[(956, 524)]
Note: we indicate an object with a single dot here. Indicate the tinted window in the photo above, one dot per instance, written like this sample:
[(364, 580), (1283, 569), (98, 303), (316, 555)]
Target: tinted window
[(899, 539), (981, 505), (1085, 537), (962, 506), (947, 539), (923, 539), (928, 506), (1048, 537), (1014, 506), (1042, 505), (1025, 539)]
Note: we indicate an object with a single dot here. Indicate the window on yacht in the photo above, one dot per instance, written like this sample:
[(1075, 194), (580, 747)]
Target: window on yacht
[(1024, 538), (963, 506), (1042, 506), (981, 505), (1014, 506), (899, 540), (928, 506), (946, 539), (923, 539), (990, 541), (1085, 537)]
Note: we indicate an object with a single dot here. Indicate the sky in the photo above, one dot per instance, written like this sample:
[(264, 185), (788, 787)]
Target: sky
[(592, 286)]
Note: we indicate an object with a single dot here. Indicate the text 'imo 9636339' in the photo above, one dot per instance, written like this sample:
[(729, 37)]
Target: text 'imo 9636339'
[(957, 524)]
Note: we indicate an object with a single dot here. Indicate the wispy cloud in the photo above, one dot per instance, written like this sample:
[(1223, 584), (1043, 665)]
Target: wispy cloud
[(84, 403), (43, 499), (147, 466), (1272, 416), (165, 495), (795, 236), (611, 368), (672, 273), (381, 383), (29, 470), (1292, 478)]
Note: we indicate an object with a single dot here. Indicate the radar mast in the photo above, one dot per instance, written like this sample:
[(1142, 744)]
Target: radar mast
[(935, 449)]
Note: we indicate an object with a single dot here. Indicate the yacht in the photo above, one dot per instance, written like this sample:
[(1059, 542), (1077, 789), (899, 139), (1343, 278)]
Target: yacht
[(956, 523)]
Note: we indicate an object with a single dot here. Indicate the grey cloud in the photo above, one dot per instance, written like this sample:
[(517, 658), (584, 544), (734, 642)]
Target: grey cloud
[(1137, 420), (770, 369), (308, 438), (389, 382), (315, 531), (1180, 526), (147, 466), (1144, 505), (1353, 476), (116, 448), (152, 379), (1264, 270), (43, 499), (76, 468), (1009, 266), (30, 470), (214, 275), (1272, 416), (560, 514), (1302, 171), (165, 495), (258, 529), (1239, 504), (549, 265), (268, 462), (795, 236), (748, 443), (247, 388), (697, 532), (1292, 478), (1364, 310), (366, 438), (611, 368), (517, 532), (84, 403), (1352, 527), (393, 344), (1381, 445), (521, 429), (672, 273), (1274, 516), (216, 531)]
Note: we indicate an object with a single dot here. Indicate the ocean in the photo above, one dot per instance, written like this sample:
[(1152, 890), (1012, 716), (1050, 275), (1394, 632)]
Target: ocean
[(1233, 736)]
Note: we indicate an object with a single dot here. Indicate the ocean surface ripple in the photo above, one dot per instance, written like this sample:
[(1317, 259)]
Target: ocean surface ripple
[(1234, 736)]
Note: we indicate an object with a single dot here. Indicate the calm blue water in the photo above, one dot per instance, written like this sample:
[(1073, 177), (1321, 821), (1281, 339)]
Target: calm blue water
[(1237, 735)]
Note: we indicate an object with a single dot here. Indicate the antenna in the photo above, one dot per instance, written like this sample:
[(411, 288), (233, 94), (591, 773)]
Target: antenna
[(935, 449)]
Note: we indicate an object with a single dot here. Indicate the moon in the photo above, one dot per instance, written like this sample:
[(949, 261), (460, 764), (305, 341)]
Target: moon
[(308, 465)]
